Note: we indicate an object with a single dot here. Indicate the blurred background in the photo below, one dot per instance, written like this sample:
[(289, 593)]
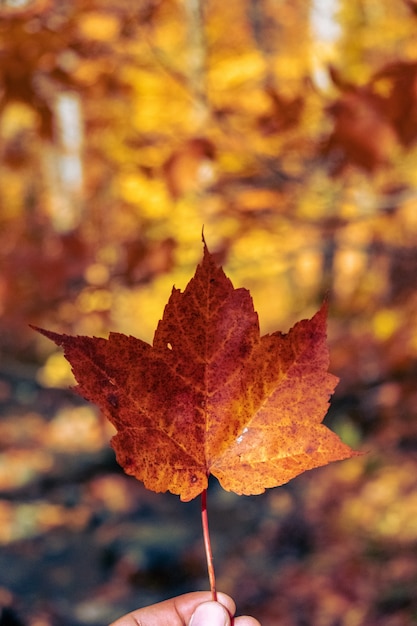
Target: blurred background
[(288, 128)]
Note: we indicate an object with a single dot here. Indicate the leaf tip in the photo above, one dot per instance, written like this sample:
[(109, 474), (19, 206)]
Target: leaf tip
[(55, 337), (203, 239)]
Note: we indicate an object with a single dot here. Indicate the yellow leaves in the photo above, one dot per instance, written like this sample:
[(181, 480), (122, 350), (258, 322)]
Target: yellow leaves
[(99, 26), (264, 263), (129, 304), (18, 127), (386, 505), (94, 299), (15, 194), (148, 194), (385, 322), (290, 67), (17, 117), (374, 31), (268, 179), (258, 199), (255, 249), (97, 274), (76, 429), (161, 103), (88, 71), (34, 518), (55, 372), (230, 73), (18, 466)]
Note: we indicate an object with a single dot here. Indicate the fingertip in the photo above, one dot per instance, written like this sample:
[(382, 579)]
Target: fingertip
[(246, 620), (210, 614)]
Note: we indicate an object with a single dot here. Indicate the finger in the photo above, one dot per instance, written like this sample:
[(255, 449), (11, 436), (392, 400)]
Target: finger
[(210, 614), (245, 620), (175, 612), (215, 614)]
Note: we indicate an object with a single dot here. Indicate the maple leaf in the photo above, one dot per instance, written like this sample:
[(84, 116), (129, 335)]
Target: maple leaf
[(211, 396)]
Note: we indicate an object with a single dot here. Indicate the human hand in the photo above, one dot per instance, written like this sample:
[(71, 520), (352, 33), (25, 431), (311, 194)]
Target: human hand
[(190, 609)]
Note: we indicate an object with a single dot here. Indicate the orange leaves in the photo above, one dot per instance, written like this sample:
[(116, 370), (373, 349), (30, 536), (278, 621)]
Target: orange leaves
[(211, 395), (373, 121)]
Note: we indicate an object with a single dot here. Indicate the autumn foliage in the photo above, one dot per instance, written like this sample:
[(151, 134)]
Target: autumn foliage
[(211, 396), (125, 126)]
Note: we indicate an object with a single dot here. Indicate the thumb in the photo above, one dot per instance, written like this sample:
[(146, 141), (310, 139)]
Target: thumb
[(210, 614)]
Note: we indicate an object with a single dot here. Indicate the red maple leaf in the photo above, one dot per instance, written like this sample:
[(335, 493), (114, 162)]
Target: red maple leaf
[(211, 396)]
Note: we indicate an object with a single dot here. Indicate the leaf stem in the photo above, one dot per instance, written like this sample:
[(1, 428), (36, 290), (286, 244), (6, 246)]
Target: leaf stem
[(207, 545)]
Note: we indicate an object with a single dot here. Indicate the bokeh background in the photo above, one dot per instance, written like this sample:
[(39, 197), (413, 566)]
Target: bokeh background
[(288, 128)]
